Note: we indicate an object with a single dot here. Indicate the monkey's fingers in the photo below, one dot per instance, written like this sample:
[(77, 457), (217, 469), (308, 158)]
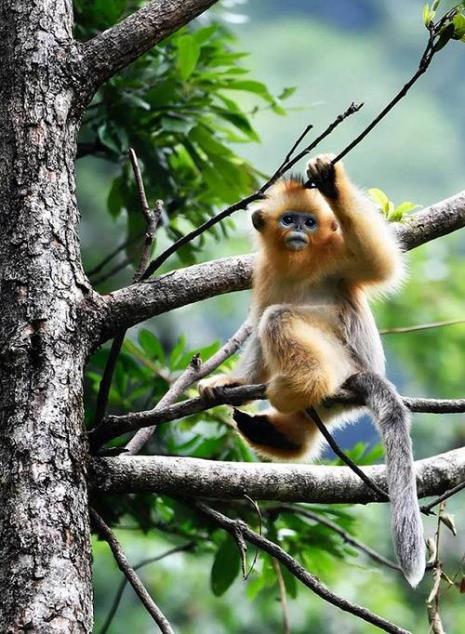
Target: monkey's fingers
[(212, 388), (322, 172)]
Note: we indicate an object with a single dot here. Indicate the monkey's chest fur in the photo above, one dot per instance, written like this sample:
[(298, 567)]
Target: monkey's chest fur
[(338, 309)]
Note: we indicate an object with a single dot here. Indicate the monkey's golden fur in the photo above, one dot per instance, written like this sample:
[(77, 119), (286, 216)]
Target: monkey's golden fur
[(310, 305), (320, 251)]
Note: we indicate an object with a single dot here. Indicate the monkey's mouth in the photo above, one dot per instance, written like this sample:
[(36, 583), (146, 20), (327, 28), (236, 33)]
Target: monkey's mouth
[(296, 241)]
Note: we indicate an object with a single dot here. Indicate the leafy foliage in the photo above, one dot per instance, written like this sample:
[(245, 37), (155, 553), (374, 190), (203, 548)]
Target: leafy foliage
[(392, 212), (177, 107)]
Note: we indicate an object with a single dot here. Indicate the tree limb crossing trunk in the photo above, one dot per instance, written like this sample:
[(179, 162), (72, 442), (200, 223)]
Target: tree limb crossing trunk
[(45, 572)]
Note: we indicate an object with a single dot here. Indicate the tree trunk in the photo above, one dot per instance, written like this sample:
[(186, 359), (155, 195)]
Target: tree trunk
[(45, 573)]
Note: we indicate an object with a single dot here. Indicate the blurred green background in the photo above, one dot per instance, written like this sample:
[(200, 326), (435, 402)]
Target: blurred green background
[(333, 53)]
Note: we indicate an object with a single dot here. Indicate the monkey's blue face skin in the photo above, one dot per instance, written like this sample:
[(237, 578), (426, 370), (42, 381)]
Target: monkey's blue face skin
[(298, 227)]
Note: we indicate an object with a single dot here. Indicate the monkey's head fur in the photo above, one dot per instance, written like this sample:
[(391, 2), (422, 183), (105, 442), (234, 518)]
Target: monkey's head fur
[(296, 224)]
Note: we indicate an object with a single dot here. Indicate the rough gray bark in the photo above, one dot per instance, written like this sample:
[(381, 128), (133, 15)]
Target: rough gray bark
[(45, 559), (131, 305), (264, 481), (45, 574)]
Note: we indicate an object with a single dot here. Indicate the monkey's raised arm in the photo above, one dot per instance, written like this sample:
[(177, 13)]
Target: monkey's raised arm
[(373, 255)]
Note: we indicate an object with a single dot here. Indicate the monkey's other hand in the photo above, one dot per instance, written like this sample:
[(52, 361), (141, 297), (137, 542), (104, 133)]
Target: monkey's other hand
[(323, 174), (210, 388), (286, 397)]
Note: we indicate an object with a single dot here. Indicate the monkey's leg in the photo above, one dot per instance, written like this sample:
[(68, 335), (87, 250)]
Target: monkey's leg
[(307, 362), (276, 435)]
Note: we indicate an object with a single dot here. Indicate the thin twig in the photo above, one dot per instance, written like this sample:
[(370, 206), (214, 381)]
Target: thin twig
[(425, 61), (347, 537), (427, 508), (435, 324), (125, 567), (152, 219), (257, 510), (195, 371), (258, 195), (115, 426), (282, 596), (309, 580), (313, 416), (432, 602), (124, 581)]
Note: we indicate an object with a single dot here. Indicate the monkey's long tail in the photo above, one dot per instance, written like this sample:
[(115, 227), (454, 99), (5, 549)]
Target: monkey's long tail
[(393, 420)]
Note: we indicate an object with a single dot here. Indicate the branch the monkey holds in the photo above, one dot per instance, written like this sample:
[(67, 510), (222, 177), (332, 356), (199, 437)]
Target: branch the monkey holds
[(322, 250)]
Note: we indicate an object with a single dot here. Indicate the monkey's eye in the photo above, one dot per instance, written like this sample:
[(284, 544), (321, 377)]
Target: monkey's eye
[(287, 220), (310, 222)]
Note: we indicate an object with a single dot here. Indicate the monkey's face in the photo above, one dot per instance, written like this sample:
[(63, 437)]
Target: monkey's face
[(296, 223), (296, 228)]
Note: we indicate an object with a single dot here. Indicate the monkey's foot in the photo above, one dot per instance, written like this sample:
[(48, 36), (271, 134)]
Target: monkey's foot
[(211, 387), (322, 173), (259, 430)]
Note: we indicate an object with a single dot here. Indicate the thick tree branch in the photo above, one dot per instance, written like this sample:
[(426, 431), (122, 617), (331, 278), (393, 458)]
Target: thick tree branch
[(261, 481), (235, 527), (433, 222), (117, 47), (136, 303)]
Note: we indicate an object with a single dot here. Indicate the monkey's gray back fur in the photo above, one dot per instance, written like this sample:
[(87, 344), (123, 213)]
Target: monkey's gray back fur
[(393, 420)]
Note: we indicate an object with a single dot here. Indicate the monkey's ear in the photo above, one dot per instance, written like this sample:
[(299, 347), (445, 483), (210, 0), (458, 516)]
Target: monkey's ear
[(258, 220)]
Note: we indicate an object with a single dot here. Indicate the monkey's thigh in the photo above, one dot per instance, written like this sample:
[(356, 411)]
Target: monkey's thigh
[(301, 345)]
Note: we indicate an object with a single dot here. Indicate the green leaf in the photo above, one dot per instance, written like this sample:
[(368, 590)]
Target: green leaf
[(151, 345), (133, 100), (380, 198), (203, 35), (428, 15), (401, 210), (250, 85), (290, 582), (177, 353), (177, 124), (188, 55), (226, 566), (207, 141), (459, 26), (287, 92), (240, 121), (115, 202), (107, 138)]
